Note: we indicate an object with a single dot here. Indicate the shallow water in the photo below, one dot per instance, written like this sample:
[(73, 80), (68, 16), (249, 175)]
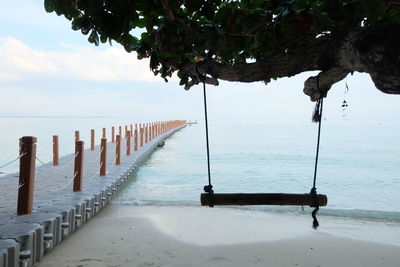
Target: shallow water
[(358, 169)]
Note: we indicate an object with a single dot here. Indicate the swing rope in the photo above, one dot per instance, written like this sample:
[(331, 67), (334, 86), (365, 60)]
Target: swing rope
[(208, 188), (313, 191), (317, 117)]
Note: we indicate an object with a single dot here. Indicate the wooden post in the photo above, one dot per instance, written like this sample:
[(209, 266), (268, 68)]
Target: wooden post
[(104, 133), (112, 134), (118, 150), (141, 136), (135, 139), (55, 150), (145, 133), (131, 130), (26, 174), (78, 167), (77, 135), (128, 143), (92, 139), (150, 132), (126, 131), (103, 157), (120, 131)]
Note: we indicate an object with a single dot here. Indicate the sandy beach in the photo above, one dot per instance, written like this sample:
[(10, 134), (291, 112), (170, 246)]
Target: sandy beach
[(195, 236)]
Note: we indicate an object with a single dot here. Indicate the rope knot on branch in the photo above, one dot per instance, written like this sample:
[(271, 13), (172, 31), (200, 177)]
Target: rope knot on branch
[(199, 75)]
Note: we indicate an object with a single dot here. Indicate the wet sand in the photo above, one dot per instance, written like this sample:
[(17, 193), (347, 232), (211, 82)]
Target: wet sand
[(196, 236)]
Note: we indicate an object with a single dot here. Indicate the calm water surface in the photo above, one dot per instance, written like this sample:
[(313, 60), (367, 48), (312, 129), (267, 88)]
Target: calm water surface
[(359, 165)]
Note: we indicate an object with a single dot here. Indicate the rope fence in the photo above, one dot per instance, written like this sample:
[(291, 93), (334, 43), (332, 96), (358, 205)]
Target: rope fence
[(67, 173), (45, 164), (12, 161), (96, 174), (61, 187)]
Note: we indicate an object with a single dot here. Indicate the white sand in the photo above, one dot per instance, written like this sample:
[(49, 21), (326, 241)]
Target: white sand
[(196, 236)]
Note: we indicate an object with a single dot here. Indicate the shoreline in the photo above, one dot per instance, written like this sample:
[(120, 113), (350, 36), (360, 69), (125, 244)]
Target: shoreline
[(196, 236)]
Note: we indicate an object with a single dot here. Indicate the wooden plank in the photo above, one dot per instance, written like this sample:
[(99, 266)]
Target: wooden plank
[(263, 199)]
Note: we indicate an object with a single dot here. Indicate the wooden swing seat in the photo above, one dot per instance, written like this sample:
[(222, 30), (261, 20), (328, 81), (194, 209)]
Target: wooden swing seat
[(263, 199)]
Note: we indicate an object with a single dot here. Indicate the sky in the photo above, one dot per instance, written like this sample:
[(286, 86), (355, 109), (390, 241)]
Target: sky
[(47, 69)]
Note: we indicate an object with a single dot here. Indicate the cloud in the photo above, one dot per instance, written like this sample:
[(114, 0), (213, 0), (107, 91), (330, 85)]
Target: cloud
[(19, 62)]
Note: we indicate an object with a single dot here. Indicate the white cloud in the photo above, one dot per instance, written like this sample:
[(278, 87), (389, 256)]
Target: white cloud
[(113, 64), (18, 59)]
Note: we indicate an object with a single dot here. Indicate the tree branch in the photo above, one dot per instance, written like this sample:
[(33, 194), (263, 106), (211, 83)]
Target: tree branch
[(195, 81), (281, 65), (374, 50), (168, 11), (317, 86)]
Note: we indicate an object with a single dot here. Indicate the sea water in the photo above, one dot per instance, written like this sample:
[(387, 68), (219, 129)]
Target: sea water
[(359, 165)]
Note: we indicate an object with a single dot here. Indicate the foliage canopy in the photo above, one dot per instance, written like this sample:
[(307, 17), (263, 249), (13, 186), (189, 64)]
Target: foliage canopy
[(245, 40)]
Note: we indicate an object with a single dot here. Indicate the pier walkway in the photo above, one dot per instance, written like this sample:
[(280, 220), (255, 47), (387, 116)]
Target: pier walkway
[(57, 210)]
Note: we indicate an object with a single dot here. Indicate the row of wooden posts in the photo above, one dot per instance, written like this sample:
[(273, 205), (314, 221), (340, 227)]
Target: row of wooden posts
[(142, 134)]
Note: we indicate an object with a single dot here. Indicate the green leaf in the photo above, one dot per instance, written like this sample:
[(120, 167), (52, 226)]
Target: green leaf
[(49, 5), (103, 38), (130, 43), (139, 23), (154, 62), (77, 23), (193, 5), (94, 38)]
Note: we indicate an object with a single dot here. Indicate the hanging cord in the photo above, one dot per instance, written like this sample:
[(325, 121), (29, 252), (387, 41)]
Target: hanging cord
[(313, 191), (14, 160), (207, 188), (317, 117)]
